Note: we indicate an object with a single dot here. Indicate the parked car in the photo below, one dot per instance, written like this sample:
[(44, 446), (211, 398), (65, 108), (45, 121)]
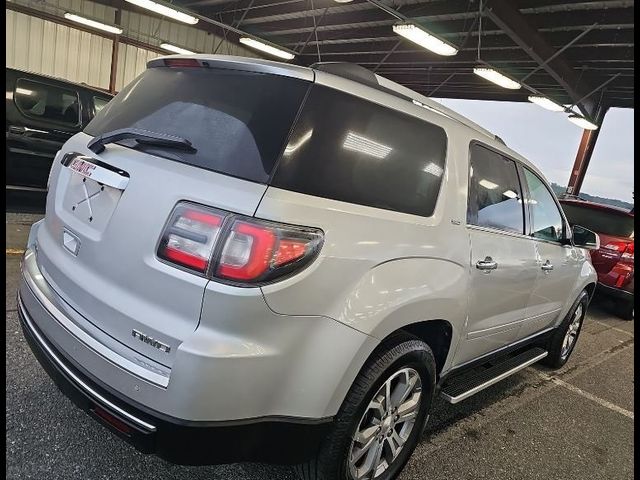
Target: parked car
[(248, 260), (42, 113), (613, 261)]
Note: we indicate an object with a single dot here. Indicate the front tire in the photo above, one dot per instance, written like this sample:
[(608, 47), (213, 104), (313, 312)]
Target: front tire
[(382, 417), (564, 339)]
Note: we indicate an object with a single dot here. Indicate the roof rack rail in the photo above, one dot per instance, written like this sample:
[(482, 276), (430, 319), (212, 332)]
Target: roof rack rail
[(357, 73)]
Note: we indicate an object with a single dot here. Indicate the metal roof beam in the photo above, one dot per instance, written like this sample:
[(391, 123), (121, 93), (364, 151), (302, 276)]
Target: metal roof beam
[(514, 24)]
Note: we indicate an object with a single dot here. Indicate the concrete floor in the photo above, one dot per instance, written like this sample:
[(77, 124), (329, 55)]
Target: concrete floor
[(575, 423)]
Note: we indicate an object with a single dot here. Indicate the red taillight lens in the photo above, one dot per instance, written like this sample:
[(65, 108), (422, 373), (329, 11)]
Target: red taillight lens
[(247, 252), (258, 251), (628, 252), (252, 251), (616, 246), (190, 236)]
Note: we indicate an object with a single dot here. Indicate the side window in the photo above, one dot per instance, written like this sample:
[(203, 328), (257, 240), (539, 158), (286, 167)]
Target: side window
[(546, 218), (350, 149), (99, 103), (495, 198), (47, 102)]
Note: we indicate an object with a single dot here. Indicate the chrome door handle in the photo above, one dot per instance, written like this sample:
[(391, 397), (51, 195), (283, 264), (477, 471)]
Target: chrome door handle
[(547, 266), (19, 130), (486, 265)]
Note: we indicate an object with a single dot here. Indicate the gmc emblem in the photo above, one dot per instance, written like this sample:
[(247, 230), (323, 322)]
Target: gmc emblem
[(151, 341)]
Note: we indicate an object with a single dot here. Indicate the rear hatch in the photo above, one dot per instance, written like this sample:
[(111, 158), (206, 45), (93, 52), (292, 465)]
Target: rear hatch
[(106, 211), (615, 228)]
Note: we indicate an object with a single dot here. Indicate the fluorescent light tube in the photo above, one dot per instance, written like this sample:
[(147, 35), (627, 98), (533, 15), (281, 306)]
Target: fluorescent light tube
[(253, 43), (92, 23), (424, 39), (487, 184), (433, 169), (361, 144), (174, 49), (24, 91), (166, 11), (544, 102), (496, 77), (582, 122)]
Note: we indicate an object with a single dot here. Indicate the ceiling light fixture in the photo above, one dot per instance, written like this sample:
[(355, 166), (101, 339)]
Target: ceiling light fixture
[(545, 102), (433, 169), (166, 11), (258, 45), (487, 184), (582, 122), (364, 145), (92, 23), (496, 77), (425, 39), (174, 49)]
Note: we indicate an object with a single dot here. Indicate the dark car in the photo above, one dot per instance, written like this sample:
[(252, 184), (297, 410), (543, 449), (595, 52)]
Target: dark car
[(42, 113), (614, 260)]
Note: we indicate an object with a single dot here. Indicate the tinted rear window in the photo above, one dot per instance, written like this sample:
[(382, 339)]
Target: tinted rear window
[(238, 121), (600, 221), (346, 148)]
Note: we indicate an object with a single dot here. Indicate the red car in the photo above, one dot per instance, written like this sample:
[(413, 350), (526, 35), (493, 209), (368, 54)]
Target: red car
[(614, 260)]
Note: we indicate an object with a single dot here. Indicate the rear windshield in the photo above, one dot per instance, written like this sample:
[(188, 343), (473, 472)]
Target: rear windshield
[(600, 221), (237, 121)]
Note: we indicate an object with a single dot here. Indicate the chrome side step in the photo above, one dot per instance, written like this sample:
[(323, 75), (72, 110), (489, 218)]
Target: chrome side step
[(456, 390)]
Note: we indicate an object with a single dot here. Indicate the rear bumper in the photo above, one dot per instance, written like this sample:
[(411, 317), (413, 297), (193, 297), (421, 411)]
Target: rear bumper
[(614, 292), (275, 440)]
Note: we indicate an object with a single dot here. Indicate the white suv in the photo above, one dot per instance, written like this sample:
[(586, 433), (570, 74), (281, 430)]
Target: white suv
[(249, 260)]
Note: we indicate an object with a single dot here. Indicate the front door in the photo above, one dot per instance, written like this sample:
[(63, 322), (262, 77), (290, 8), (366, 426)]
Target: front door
[(502, 266), (558, 262)]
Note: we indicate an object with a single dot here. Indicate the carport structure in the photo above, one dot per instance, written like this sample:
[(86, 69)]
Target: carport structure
[(574, 52), (579, 54)]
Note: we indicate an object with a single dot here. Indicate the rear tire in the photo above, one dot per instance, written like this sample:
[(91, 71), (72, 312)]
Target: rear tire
[(402, 365), (563, 341), (625, 309)]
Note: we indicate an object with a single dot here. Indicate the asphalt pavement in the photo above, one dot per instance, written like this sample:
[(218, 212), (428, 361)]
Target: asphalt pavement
[(575, 423)]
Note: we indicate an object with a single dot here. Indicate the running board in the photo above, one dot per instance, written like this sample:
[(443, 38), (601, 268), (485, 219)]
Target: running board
[(460, 389)]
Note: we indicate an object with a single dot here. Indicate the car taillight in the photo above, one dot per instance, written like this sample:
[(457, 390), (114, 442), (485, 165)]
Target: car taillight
[(628, 252), (190, 236), (616, 246), (251, 251)]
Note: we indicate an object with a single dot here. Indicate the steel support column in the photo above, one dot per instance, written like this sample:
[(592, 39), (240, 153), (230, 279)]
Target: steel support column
[(583, 157), (114, 55)]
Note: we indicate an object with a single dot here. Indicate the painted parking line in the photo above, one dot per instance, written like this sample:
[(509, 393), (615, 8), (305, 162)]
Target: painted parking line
[(613, 328), (15, 251), (590, 396)]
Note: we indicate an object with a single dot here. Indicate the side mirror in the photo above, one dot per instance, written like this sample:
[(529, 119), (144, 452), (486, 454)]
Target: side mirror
[(585, 238)]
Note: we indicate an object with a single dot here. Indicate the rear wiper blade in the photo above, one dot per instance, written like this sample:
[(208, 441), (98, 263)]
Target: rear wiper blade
[(98, 143)]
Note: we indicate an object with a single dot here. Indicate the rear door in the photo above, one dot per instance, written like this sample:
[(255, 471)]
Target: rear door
[(502, 266), (557, 261), (47, 116), (98, 244)]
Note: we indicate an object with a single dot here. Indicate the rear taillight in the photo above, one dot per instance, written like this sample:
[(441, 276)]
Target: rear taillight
[(190, 236), (616, 246), (234, 248), (628, 252)]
